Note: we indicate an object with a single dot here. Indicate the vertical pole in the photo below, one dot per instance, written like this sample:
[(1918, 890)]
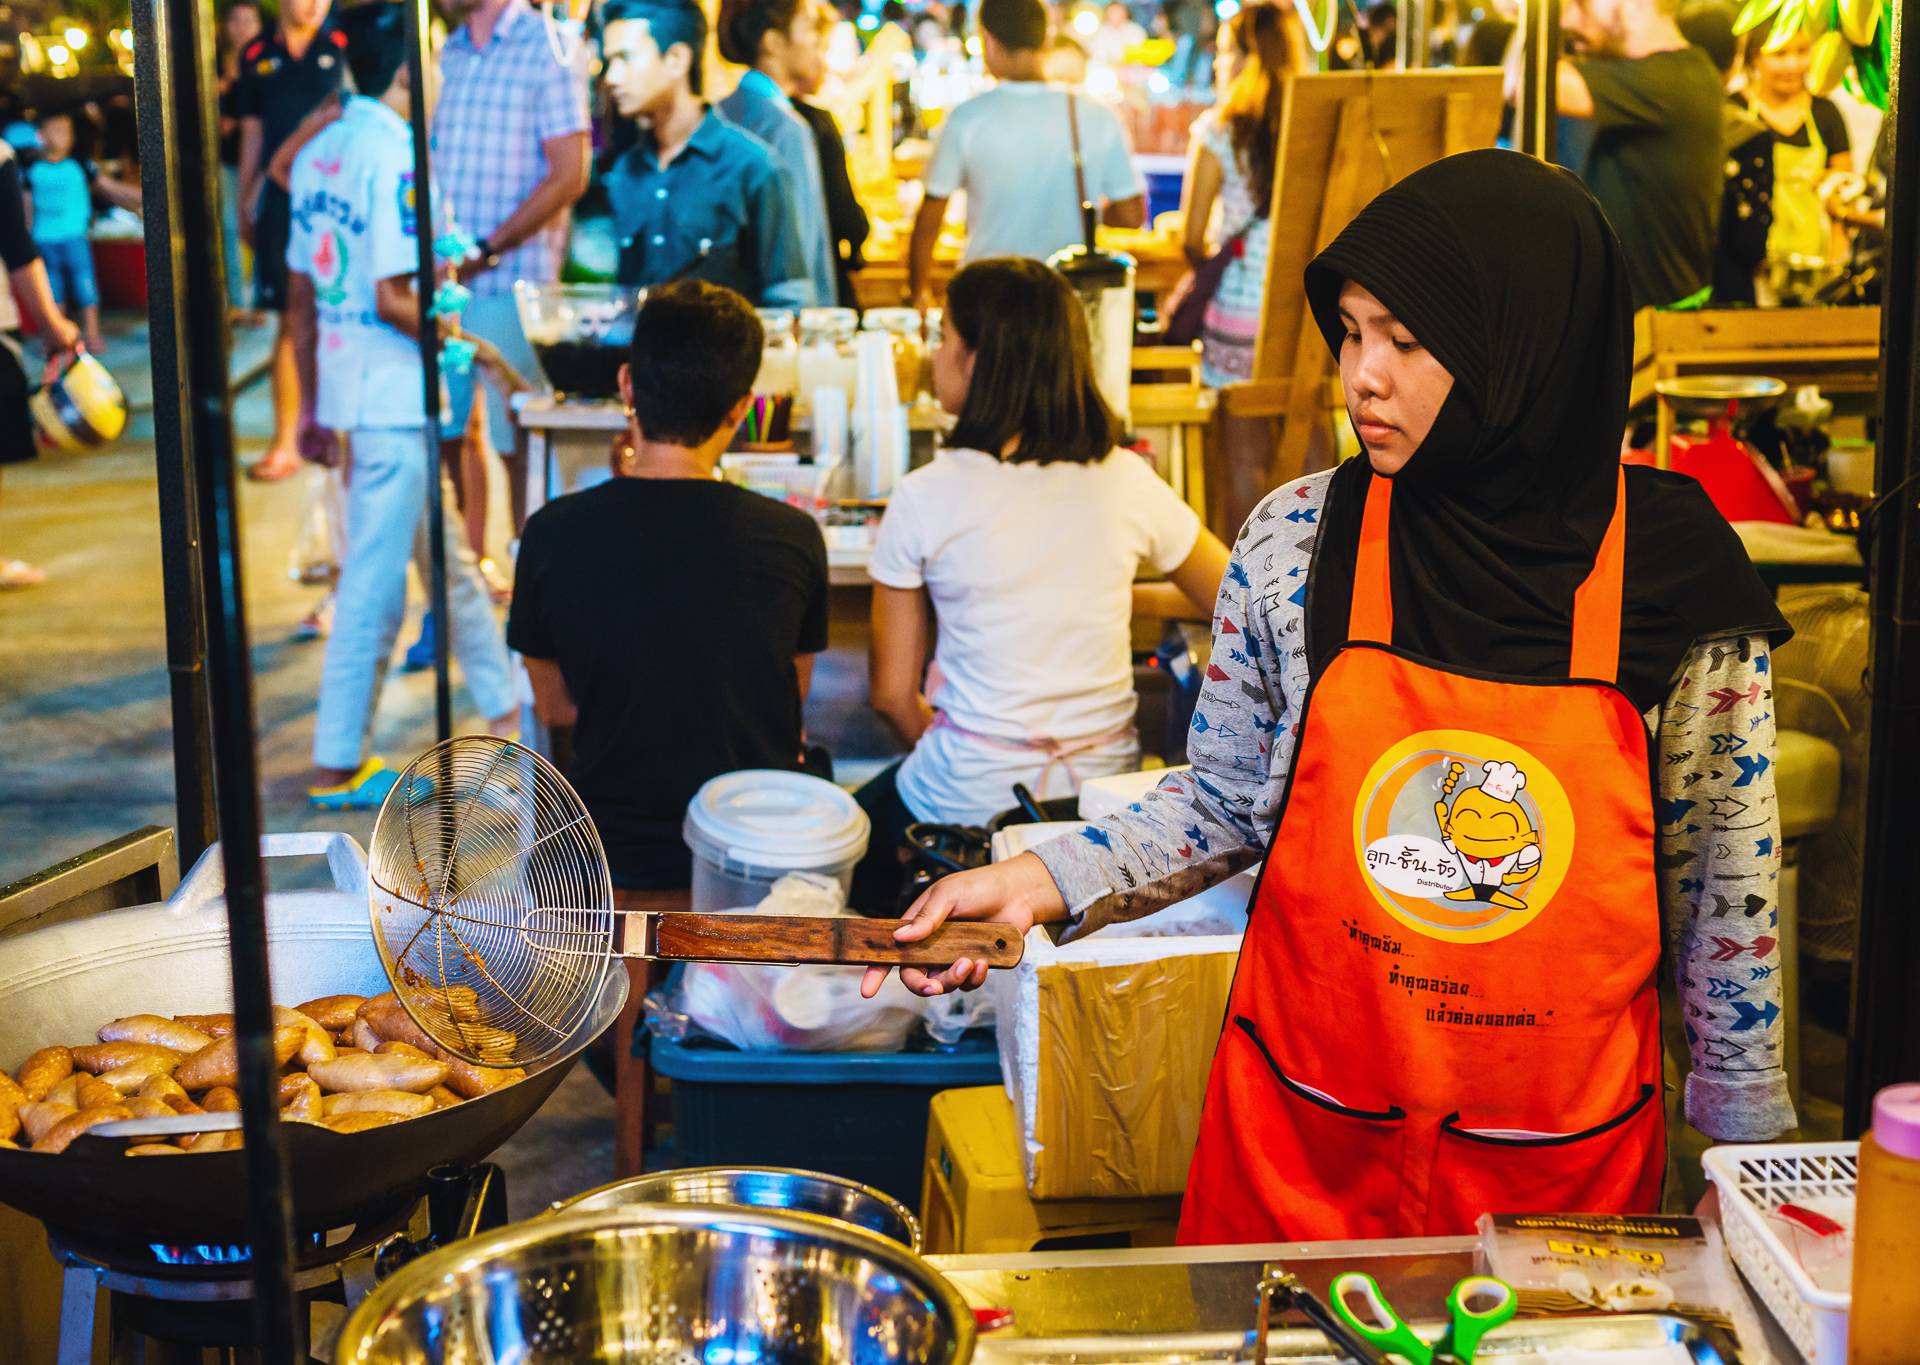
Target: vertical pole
[(180, 586), (419, 63), (1535, 120), (1885, 1029), (1410, 35), (175, 44)]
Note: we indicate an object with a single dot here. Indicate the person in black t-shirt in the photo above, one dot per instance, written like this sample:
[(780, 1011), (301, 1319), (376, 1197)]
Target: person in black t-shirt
[(1655, 165), (671, 619), (283, 75)]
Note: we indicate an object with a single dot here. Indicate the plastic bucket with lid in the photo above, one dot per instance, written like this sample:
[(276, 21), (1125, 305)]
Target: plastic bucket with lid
[(749, 829)]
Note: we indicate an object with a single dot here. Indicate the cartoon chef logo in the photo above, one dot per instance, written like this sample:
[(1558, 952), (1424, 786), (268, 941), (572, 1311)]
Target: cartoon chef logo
[(1462, 837)]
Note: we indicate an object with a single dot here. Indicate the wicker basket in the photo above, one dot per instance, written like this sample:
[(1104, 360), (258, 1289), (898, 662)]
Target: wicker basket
[(1755, 1180)]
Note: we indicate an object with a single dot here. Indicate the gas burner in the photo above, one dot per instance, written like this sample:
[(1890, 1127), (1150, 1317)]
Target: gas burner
[(196, 1295)]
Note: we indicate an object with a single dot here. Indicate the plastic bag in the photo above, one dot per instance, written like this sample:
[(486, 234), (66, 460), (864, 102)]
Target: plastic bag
[(319, 548), (787, 1009)]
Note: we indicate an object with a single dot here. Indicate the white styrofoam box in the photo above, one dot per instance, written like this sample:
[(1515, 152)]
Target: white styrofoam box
[(1102, 796)]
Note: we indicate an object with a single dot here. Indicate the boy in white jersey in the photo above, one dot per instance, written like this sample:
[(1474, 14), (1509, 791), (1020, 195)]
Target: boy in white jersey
[(356, 322)]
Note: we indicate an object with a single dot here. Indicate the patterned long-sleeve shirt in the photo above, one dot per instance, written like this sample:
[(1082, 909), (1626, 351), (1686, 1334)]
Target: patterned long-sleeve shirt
[(1719, 848)]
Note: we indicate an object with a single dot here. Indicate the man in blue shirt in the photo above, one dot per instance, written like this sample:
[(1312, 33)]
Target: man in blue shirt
[(779, 42), (694, 197)]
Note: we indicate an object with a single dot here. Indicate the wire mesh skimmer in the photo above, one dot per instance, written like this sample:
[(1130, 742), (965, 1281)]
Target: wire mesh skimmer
[(490, 901)]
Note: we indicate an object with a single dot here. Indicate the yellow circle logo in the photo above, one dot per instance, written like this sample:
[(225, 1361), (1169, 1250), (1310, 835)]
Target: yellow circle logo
[(1462, 837)]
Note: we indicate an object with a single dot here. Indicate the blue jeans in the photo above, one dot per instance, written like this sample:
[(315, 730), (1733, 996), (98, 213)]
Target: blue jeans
[(496, 319), (386, 527), (70, 271)]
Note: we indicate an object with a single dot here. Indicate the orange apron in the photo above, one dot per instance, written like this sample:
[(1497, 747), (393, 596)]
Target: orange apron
[(1445, 1004)]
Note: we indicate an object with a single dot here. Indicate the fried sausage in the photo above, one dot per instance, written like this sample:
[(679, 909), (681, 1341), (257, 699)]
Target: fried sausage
[(154, 1028), (399, 1049), (73, 1125), (67, 1092), (334, 1013), (94, 1092), (379, 1102), (291, 1086), (442, 1097), (98, 1057), (389, 1018), (44, 1070), (372, 1072), (144, 1107), (364, 1038), (136, 1073), (361, 1120), (215, 1142), (38, 1117), (470, 1082), (215, 1026), (305, 1104), (218, 1063), (11, 1098), (222, 1099), (155, 1149), (165, 1088), (317, 1046)]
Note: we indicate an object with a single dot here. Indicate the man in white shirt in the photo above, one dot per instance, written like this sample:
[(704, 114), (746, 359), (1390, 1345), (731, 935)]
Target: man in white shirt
[(1026, 154), (356, 322)]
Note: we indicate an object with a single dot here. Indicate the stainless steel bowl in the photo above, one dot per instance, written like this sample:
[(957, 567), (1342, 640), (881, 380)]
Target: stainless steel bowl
[(669, 1284), (761, 1187), (1705, 397)]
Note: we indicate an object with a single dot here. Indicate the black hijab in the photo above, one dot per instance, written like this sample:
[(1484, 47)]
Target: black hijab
[(1507, 271)]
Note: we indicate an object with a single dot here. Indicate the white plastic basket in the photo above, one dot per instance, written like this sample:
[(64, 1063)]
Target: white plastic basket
[(1755, 1180)]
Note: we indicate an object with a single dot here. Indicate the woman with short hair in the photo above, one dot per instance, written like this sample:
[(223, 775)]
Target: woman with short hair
[(1022, 538)]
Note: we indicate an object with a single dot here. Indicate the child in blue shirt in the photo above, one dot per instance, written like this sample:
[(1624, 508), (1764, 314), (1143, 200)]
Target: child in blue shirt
[(62, 186)]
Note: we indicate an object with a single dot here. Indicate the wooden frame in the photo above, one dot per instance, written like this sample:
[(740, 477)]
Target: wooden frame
[(1836, 348), (1346, 136)]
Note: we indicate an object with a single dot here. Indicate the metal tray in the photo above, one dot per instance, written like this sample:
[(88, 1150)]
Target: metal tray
[(1539, 1341)]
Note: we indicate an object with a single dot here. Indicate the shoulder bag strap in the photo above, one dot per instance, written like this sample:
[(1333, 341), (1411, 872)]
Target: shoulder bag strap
[(1079, 168)]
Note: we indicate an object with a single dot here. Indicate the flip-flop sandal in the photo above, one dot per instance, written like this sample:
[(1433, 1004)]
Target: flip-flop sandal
[(264, 471), (16, 574), (365, 790)]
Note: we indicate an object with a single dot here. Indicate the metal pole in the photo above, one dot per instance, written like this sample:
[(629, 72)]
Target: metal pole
[(1410, 35), (175, 45), (180, 588), (1885, 1029), (425, 283), (1535, 120)]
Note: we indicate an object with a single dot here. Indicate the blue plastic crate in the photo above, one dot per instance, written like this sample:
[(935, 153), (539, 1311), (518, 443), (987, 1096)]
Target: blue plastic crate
[(861, 1115)]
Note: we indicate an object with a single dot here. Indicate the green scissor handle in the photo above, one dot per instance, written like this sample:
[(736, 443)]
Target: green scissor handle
[(1378, 1323), (1478, 1304)]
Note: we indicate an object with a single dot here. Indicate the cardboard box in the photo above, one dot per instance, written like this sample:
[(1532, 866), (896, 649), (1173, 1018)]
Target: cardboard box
[(1106, 1044)]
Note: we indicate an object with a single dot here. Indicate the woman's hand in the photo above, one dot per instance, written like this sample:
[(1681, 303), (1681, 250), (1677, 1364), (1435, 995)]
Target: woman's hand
[(1019, 893)]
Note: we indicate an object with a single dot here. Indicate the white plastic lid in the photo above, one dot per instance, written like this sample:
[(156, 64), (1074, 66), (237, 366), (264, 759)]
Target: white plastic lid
[(782, 821)]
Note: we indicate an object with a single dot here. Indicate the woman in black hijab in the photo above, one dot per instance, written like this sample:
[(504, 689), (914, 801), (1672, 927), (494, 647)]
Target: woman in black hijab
[(1505, 638)]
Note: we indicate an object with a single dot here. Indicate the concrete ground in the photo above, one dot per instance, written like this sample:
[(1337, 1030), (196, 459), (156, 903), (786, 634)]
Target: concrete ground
[(85, 724)]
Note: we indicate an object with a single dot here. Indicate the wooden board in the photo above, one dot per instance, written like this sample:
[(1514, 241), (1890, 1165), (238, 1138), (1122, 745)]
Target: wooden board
[(1345, 136)]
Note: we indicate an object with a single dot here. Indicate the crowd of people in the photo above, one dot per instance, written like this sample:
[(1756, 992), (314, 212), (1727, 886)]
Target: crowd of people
[(1710, 156)]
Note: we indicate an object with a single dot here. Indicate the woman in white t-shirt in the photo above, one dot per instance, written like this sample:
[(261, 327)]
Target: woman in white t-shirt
[(1022, 539)]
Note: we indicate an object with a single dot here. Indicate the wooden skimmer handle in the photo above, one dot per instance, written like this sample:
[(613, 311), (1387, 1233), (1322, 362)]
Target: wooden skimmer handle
[(676, 936)]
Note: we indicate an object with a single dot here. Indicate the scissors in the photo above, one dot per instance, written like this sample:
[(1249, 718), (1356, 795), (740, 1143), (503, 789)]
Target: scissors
[(1477, 1305)]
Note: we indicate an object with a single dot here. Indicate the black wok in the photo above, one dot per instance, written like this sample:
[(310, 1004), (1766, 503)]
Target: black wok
[(60, 984)]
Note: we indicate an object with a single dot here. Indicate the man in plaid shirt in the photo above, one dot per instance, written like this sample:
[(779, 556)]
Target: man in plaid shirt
[(512, 151)]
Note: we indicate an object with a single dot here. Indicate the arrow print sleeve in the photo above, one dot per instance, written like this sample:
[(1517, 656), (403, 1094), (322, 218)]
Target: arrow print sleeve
[(1714, 749), (1719, 868)]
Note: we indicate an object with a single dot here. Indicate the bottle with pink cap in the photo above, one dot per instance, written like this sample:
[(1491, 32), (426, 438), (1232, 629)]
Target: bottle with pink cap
[(1885, 1321)]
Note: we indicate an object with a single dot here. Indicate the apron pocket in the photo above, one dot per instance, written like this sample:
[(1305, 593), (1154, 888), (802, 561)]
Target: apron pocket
[(1613, 1167), (1327, 1168)]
